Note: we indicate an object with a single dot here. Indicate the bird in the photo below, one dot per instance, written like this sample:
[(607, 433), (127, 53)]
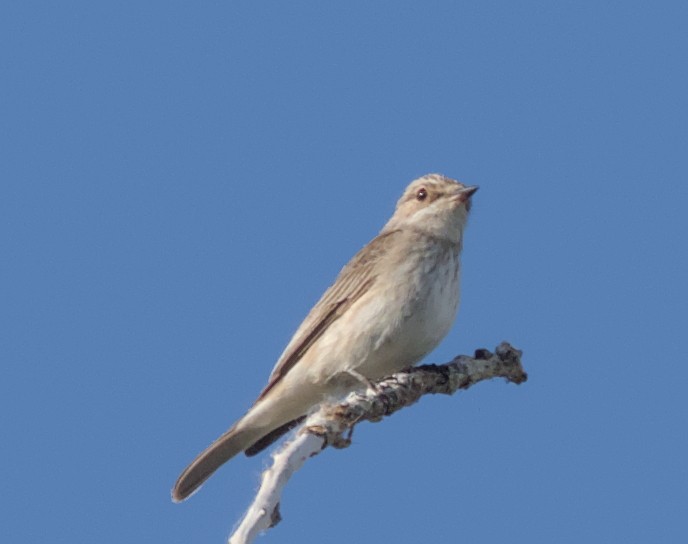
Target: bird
[(389, 306)]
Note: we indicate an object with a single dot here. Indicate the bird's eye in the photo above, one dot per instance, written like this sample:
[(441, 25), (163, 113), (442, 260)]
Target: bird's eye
[(421, 194)]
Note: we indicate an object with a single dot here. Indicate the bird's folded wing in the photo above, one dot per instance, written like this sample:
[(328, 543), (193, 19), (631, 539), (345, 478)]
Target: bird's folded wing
[(355, 279)]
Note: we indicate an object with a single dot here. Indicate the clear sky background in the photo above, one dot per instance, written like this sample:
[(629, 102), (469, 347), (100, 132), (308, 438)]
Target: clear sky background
[(179, 182)]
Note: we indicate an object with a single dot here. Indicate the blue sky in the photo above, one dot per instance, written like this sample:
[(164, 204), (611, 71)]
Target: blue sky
[(180, 182)]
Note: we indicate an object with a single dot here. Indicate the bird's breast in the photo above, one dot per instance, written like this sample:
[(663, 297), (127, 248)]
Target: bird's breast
[(410, 314), (403, 317), (432, 309)]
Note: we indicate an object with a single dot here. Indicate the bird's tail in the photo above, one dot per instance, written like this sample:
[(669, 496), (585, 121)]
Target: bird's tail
[(234, 441)]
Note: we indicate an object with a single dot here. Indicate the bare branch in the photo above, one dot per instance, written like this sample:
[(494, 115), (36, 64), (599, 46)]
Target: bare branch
[(332, 424)]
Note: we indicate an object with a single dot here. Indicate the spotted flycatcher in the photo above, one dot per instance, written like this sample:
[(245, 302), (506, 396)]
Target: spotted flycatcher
[(390, 306)]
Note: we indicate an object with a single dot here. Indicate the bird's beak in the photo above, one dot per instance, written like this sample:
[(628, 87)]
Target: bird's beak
[(462, 195)]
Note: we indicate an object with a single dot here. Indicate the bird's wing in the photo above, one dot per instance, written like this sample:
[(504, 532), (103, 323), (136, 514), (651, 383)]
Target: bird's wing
[(355, 279)]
